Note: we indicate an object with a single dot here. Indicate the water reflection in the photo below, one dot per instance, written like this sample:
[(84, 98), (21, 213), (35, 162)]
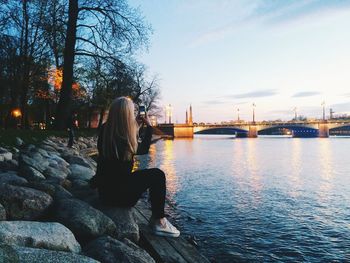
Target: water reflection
[(326, 170), (168, 166), (254, 174), (296, 165)]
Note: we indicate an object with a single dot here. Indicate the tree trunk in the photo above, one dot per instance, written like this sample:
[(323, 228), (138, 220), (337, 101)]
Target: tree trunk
[(100, 121), (65, 102)]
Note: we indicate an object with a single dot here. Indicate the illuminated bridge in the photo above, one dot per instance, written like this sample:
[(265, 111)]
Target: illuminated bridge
[(252, 130)]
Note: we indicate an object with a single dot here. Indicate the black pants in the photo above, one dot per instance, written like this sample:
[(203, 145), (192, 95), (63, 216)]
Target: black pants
[(131, 188)]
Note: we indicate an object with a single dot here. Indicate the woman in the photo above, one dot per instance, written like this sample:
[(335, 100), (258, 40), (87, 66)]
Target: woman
[(117, 184)]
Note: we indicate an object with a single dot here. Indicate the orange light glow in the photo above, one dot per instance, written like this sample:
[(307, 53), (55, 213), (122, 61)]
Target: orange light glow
[(16, 113), (55, 78)]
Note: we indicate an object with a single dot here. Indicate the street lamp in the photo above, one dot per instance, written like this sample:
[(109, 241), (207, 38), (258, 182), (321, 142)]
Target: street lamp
[(323, 104), (168, 112), (253, 105)]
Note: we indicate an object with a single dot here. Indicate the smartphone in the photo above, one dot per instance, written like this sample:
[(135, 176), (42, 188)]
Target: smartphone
[(142, 110)]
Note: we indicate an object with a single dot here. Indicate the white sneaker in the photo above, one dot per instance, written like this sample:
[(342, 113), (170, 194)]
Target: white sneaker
[(166, 230)]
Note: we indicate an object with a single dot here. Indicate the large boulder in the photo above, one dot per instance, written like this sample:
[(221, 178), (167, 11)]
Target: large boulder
[(10, 165), (31, 174), (74, 159), (55, 172), (80, 172), (50, 235), (38, 163), (23, 202), (2, 213), (35, 255), (124, 221), (109, 250), (5, 155), (82, 219), (11, 177)]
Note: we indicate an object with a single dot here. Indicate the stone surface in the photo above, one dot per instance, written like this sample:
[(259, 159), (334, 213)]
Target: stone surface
[(50, 235), (124, 220), (2, 213), (19, 141), (73, 159), (109, 250), (35, 255), (53, 172), (80, 172), (42, 186), (11, 177), (82, 219), (23, 202), (31, 174), (38, 164), (11, 165), (61, 193), (5, 155)]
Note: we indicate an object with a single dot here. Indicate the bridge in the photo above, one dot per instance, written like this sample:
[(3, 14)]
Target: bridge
[(320, 128)]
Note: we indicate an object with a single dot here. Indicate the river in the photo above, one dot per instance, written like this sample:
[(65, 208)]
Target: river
[(269, 199)]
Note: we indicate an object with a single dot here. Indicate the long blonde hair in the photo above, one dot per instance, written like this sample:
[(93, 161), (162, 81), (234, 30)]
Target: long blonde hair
[(121, 123)]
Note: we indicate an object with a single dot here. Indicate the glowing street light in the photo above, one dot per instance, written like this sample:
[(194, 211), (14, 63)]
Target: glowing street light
[(253, 105), (168, 112), (295, 113), (323, 104)]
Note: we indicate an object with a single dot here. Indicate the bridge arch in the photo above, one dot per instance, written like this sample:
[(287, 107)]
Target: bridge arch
[(296, 130), (220, 130)]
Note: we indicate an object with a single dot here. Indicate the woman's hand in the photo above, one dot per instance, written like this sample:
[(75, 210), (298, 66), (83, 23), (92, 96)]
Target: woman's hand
[(143, 120)]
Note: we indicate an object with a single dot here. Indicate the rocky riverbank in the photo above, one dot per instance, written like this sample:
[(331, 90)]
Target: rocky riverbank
[(48, 212)]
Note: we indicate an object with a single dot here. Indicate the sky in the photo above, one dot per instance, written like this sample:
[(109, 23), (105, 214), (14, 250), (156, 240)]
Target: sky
[(223, 55)]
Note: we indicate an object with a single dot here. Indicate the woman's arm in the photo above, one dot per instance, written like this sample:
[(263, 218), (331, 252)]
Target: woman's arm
[(144, 145)]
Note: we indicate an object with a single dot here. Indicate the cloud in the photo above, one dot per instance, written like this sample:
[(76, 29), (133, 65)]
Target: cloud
[(268, 13), (254, 94), (305, 94)]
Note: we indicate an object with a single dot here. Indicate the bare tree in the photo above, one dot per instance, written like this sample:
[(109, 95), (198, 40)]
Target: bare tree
[(105, 29)]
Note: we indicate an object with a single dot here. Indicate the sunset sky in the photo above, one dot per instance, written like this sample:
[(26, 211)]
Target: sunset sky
[(226, 54)]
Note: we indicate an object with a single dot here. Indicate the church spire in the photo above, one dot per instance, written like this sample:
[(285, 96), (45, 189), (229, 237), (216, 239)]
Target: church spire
[(190, 120)]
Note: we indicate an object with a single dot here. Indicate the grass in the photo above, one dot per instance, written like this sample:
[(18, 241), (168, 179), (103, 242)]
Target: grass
[(8, 137)]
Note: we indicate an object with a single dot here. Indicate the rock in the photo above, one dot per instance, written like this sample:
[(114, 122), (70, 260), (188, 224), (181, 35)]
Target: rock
[(43, 152), (53, 172), (10, 165), (35, 255), (19, 141), (2, 213), (23, 202), (82, 219), (124, 221), (31, 174), (61, 193), (43, 186), (80, 172), (48, 148), (59, 160), (109, 250), (39, 165), (8, 254), (73, 159), (5, 155), (11, 177), (50, 235)]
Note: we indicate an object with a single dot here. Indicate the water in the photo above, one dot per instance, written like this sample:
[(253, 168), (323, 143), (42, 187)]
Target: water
[(268, 199)]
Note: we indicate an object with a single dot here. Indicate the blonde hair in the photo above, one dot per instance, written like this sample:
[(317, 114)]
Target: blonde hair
[(121, 123)]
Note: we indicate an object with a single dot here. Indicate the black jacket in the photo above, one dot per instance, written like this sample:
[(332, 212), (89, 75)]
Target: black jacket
[(110, 172)]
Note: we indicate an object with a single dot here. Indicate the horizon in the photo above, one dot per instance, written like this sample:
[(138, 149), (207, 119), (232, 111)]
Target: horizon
[(223, 56)]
